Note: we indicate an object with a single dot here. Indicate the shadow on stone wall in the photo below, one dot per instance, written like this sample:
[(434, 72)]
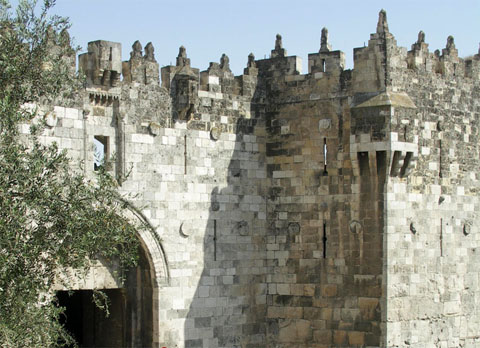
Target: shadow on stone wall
[(229, 305)]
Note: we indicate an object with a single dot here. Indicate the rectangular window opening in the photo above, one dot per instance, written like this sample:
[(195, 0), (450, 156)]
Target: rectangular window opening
[(102, 149)]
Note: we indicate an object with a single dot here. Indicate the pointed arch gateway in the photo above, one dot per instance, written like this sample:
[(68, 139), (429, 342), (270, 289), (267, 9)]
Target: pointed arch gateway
[(133, 319)]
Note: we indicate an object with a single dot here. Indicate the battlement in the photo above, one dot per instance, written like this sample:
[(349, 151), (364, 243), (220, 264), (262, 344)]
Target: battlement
[(373, 65)]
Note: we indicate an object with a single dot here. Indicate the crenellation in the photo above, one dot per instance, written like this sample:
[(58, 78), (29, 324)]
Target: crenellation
[(419, 58), (324, 43), (182, 65), (251, 68), (218, 78), (142, 69), (279, 66), (472, 67), (449, 62), (279, 51), (332, 62), (326, 61), (382, 25), (102, 64), (210, 79)]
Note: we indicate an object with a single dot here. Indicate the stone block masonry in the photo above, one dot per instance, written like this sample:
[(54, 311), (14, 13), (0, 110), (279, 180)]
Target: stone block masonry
[(332, 209)]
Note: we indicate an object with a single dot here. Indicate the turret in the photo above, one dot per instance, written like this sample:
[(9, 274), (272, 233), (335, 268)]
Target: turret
[(374, 64), (141, 68), (182, 65), (218, 77)]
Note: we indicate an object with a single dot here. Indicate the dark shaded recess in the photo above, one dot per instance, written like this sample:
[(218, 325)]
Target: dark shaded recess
[(345, 79), (88, 324), (363, 163), (271, 168), (130, 323), (381, 165), (276, 149), (406, 163), (293, 301)]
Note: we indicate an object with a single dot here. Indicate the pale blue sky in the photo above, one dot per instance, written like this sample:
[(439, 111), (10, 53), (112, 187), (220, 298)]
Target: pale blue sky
[(237, 27)]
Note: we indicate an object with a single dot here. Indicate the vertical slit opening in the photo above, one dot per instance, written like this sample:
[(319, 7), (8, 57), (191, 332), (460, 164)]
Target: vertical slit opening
[(214, 240), (325, 151), (441, 237), (440, 175), (324, 240)]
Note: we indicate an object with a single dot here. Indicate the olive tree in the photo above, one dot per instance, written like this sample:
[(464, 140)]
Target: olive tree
[(51, 216)]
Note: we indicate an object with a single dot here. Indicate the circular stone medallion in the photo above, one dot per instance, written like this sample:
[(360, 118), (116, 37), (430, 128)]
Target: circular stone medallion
[(50, 119), (215, 133), (356, 227)]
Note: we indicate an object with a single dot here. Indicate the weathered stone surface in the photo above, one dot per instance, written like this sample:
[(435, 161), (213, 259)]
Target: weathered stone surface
[(295, 331)]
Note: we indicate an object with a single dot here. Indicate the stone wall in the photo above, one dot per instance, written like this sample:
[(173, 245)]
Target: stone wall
[(432, 238), (331, 209)]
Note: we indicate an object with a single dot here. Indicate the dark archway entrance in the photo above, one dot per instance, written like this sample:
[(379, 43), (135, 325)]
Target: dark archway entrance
[(88, 324), (130, 323)]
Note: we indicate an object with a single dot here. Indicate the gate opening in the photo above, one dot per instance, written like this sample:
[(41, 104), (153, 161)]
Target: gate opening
[(130, 322), (88, 324)]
